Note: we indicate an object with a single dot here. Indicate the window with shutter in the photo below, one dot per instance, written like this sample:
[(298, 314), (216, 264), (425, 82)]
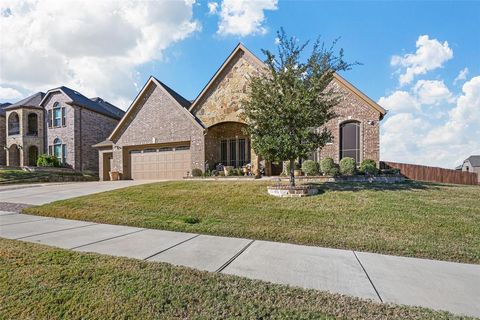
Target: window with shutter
[(64, 153), (50, 118), (64, 118)]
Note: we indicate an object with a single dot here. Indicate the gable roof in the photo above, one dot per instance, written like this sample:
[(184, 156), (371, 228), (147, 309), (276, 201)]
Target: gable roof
[(238, 48), (350, 87), (474, 161), (79, 99), (32, 101), (178, 100)]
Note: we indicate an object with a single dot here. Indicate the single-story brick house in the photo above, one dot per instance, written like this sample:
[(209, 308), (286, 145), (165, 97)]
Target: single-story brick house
[(163, 135)]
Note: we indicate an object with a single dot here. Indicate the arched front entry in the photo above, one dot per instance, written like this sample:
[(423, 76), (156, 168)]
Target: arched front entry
[(227, 143), (32, 155), (14, 156)]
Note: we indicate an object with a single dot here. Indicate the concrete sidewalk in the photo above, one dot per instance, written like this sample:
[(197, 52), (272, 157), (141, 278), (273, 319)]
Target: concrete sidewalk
[(440, 285)]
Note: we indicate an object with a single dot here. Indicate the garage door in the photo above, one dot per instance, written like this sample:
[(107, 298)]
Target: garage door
[(160, 163)]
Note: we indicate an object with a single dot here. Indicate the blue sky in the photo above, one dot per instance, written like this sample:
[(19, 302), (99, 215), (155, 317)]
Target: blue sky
[(411, 53)]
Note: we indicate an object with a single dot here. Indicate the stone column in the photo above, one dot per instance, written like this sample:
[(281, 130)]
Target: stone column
[(255, 160)]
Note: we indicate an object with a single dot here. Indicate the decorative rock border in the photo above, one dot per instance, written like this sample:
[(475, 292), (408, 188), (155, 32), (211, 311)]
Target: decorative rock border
[(288, 191)]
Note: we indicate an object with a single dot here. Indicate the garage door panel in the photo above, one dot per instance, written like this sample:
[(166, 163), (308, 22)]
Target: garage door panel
[(161, 163)]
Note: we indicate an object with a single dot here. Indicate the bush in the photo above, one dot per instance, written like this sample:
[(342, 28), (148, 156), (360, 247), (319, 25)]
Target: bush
[(45, 160), (329, 167), (230, 172), (368, 166), (348, 166), (310, 167), (197, 172)]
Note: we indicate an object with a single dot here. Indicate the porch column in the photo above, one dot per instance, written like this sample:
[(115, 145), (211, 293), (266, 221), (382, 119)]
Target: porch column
[(255, 160)]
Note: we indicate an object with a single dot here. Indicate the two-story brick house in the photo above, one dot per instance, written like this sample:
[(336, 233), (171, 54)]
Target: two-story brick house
[(60, 122)]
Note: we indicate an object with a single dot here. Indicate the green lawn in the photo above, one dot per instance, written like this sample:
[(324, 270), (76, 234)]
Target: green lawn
[(410, 219), (40, 282)]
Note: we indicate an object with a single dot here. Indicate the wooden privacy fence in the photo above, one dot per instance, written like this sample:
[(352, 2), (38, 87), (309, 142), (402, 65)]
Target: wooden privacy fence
[(432, 174)]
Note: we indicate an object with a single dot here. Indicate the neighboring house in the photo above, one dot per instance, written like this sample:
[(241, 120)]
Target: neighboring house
[(3, 133), (472, 164), (60, 122), (163, 135)]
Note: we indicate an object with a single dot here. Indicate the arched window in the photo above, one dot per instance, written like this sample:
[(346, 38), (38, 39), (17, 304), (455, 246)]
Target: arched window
[(32, 124), (13, 124), (57, 115), (58, 150), (350, 140)]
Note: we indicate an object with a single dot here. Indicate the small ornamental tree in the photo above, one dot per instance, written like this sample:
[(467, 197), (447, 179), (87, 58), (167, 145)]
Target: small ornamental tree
[(289, 102)]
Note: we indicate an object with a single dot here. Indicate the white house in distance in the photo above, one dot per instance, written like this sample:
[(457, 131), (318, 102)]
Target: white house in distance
[(471, 164)]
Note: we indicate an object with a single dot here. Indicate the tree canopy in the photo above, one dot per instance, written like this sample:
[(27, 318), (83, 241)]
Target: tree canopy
[(290, 102)]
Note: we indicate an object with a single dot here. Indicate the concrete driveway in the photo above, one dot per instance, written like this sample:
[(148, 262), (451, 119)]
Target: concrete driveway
[(41, 193)]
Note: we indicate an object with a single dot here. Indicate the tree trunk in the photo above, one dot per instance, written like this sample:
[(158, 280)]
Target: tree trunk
[(292, 172)]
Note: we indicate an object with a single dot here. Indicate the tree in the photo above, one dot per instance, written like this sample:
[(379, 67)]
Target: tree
[(291, 100)]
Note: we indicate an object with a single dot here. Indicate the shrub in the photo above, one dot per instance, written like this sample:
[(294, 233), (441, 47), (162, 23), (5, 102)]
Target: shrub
[(329, 167), (45, 160), (197, 172), (368, 166), (230, 172), (239, 172), (310, 167), (221, 173), (348, 166)]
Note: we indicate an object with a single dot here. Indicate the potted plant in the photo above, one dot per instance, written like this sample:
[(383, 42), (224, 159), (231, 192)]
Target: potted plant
[(297, 172)]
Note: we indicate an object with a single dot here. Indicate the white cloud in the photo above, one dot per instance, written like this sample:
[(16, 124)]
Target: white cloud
[(244, 17), (92, 46), (399, 101), (462, 75), (212, 7), (417, 138), (432, 92), (9, 93), (430, 55)]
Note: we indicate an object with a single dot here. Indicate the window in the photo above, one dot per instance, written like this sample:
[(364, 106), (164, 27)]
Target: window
[(58, 150), (57, 115), (182, 148), (165, 149), (149, 150), (234, 152), (32, 124), (223, 152), (350, 140), (13, 124), (241, 152)]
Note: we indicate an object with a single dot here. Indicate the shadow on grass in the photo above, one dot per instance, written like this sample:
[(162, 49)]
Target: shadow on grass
[(376, 186)]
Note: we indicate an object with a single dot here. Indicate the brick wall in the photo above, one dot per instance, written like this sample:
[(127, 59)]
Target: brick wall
[(95, 128), (65, 133), (83, 129), (157, 119), (352, 108)]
